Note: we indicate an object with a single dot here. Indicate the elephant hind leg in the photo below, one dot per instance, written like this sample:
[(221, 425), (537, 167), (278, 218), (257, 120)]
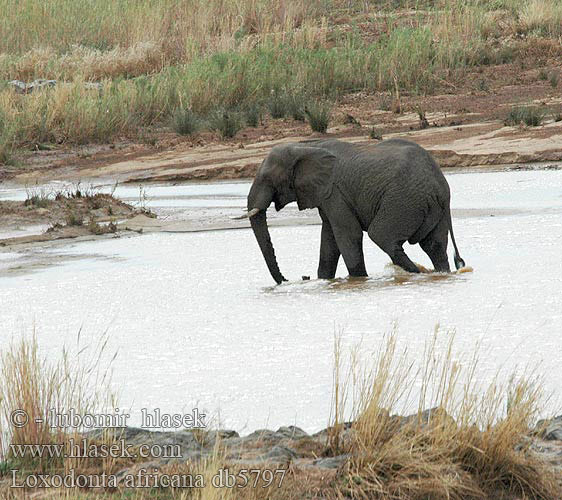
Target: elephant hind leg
[(383, 232), (435, 246)]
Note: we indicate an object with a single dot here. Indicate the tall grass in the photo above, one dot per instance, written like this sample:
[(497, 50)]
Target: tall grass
[(75, 114), (182, 25), (155, 56), (472, 445), (33, 386)]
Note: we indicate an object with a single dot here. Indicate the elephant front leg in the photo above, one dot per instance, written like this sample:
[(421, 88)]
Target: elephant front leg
[(329, 251), (349, 237)]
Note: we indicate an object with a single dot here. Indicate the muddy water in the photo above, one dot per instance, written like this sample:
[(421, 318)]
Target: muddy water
[(196, 320)]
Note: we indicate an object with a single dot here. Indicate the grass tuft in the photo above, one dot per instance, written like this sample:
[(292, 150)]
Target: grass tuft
[(226, 122), (253, 114), (278, 105), (471, 445), (185, 122), (318, 114), (34, 385), (296, 104), (532, 116)]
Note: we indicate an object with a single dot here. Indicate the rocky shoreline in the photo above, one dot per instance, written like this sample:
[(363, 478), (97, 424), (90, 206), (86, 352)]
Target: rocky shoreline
[(291, 446)]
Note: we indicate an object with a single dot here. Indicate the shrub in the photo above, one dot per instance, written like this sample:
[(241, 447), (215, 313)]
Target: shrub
[(277, 105), (226, 122), (553, 78), (6, 153), (74, 219), (532, 116), (318, 114), (296, 103), (253, 114), (469, 443), (185, 122), (375, 134)]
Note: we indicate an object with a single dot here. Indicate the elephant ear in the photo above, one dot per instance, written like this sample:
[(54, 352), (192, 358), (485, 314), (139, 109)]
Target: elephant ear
[(313, 175)]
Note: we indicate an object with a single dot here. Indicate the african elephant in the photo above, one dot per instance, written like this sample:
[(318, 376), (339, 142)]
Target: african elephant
[(394, 190)]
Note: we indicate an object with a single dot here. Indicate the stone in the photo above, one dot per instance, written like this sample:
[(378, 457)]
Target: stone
[(550, 430), (263, 435), (27, 88), (424, 418), (278, 454), (331, 462), (292, 432)]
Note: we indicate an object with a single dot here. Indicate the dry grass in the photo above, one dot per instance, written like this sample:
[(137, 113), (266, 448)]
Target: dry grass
[(544, 17), (86, 38), (472, 446), (155, 56), (33, 386)]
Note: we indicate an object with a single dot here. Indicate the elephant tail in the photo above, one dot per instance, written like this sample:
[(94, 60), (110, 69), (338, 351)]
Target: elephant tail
[(459, 262)]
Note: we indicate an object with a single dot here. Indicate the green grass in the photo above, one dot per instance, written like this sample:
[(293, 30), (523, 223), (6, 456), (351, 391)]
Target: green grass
[(296, 104), (253, 114), (185, 122), (318, 115), (226, 122), (532, 116), (155, 57), (277, 104)]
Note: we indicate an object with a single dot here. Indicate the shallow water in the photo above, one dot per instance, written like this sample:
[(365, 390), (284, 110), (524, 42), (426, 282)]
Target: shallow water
[(197, 322)]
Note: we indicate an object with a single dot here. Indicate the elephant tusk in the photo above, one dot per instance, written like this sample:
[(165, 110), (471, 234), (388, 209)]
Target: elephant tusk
[(247, 215)]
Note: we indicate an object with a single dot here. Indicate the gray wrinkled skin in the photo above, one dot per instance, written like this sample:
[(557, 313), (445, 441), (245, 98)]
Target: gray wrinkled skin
[(394, 191)]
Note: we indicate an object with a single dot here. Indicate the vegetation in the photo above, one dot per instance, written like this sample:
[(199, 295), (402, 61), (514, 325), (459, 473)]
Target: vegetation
[(226, 122), (296, 105), (318, 115), (471, 445), (185, 122), (277, 104), (153, 58), (474, 443), (532, 116), (253, 114), (30, 383)]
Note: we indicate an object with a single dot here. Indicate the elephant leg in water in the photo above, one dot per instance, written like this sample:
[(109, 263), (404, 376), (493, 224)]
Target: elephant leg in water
[(348, 234), (390, 236), (435, 246), (329, 251)]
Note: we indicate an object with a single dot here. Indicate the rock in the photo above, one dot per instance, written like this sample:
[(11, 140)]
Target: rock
[(263, 435), (292, 432), (331, 462), (424, 418), (325, 432), (27, 88), (19, 87), (278, 454), (551, 429)]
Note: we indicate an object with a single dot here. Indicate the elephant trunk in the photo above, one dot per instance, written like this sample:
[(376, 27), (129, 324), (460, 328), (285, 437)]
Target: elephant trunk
[(261, 200)]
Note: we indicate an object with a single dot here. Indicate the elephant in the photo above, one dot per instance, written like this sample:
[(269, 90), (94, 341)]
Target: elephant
[(394, 190)]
